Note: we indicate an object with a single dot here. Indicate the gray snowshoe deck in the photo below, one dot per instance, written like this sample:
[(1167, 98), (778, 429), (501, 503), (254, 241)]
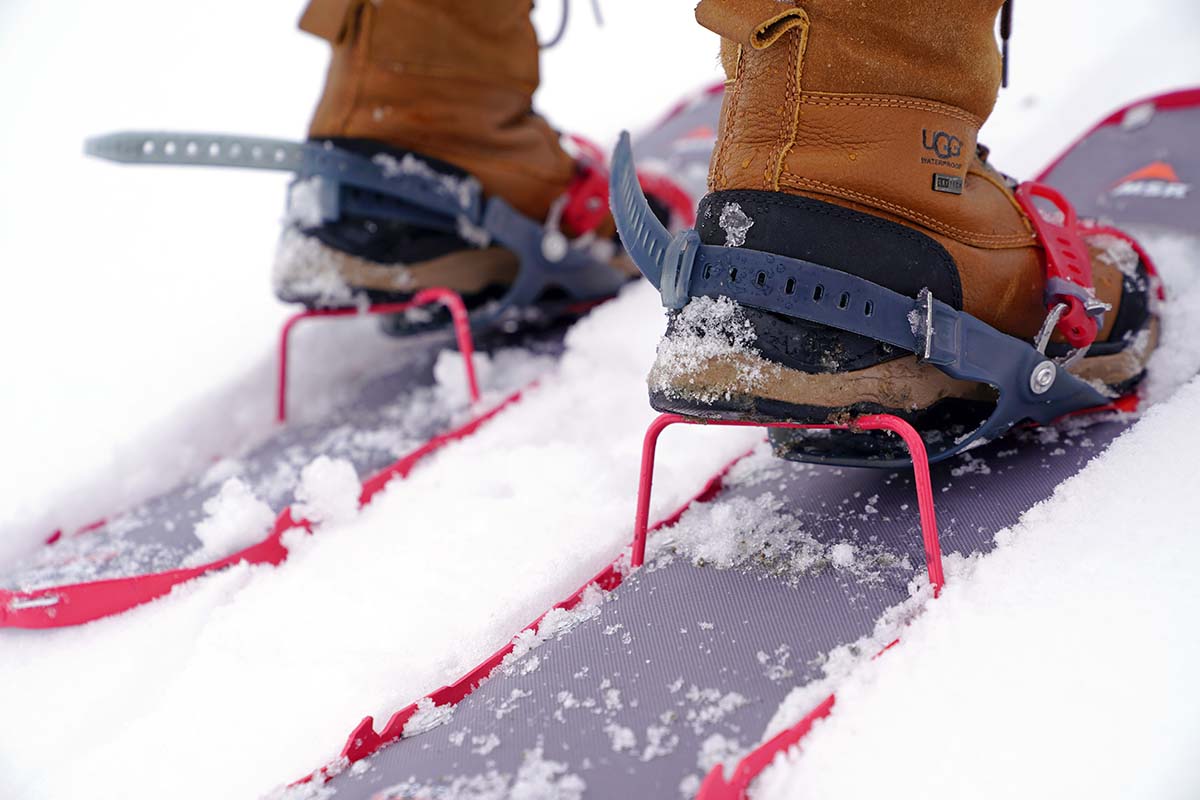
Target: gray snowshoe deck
[(682, 664), (1140, 166)]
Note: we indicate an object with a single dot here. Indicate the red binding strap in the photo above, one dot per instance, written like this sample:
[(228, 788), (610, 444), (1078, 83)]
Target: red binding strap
[(1068, 265), (587, 195)]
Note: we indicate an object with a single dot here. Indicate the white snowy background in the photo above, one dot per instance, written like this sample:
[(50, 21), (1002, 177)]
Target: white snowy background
[(136, 343)]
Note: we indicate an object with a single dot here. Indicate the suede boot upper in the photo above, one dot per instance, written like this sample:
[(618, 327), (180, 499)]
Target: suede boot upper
[(451, 80), (876, 105)]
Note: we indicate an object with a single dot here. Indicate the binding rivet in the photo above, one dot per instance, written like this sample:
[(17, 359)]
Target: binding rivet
[(554, 246), (1043, 377)]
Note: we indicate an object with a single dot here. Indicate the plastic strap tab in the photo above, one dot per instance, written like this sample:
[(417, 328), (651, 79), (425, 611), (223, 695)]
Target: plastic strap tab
[(644, 237)]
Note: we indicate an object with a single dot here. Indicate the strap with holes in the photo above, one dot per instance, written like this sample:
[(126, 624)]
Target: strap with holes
[(398, 180)]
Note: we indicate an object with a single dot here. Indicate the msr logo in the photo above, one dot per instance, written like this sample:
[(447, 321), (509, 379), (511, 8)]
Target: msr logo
[(1155, 180), (942, 144)]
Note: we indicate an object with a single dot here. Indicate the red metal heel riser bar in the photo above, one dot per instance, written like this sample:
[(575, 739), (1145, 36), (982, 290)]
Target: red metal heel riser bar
[(887, 422), (450, 299)]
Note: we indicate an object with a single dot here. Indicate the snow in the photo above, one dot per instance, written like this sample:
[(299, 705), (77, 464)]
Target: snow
[(328, 491), (623, 738), (139, 349), (706, 329), (736, 224), (304, 202), (451, 377), (464, 190), (1177, 357), (427, 717), (236, 519), (718, 749), (556, 623), (303, 267), (472, 233), (739, 531)]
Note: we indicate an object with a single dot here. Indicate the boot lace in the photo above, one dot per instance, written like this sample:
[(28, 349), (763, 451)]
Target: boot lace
[(562, 23), (1006, 12)]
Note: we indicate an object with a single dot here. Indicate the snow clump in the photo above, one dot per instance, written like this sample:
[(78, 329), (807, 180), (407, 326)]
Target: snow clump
[(556, 623), (328, 492), (304, 267), (708, 353), (622, 738), (236, 519), (304, 203), (736, 224), (464, 190), (451, 376), (427, 717)]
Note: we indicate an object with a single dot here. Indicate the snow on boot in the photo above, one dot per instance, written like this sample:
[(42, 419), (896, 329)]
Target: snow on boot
[(848, 140), (444, 89)]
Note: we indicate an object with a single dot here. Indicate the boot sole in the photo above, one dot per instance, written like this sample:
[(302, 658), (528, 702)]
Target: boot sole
[(310, 272), (720, 389)]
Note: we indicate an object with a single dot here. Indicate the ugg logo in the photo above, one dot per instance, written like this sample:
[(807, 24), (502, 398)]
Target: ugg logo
[(943, 144)]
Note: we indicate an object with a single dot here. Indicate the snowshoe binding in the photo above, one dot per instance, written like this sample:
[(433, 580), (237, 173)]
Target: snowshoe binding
[(775, 333)]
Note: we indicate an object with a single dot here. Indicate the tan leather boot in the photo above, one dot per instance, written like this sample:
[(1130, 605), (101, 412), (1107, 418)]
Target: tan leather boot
[(451, 82), (848, 138)]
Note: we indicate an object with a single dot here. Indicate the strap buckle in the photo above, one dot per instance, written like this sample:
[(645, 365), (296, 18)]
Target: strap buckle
[(1068, 269), (587, 195)]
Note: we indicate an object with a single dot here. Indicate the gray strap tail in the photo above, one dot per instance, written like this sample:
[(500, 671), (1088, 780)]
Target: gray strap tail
[(644, 237), (199, 149), (420, 188)]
